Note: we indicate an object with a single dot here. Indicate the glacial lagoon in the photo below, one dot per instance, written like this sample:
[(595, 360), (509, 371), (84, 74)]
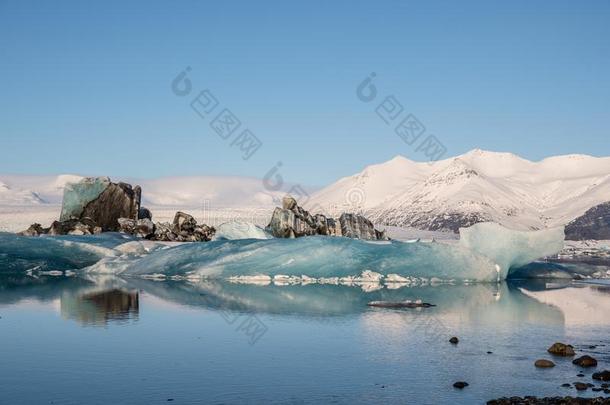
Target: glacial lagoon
[(106, 339)]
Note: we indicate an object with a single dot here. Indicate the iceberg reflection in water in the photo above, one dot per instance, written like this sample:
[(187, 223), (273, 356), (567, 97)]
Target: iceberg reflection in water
[(97, 308), (103, 300)]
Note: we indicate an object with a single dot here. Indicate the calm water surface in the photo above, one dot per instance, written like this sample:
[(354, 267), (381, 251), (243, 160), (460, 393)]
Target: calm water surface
[(75, 341)]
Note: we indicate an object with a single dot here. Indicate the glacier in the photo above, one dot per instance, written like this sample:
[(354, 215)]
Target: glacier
[(485, 253)]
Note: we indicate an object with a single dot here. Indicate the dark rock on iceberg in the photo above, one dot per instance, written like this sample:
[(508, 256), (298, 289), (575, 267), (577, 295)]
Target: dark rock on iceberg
[(292, 221), (144, 213), (101, 200), (83, 226), (34, 230), (593, 224), (184, 228), (143, 228)]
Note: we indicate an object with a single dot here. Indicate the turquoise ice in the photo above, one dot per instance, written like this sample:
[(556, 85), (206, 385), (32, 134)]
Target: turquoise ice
[(78, 195)]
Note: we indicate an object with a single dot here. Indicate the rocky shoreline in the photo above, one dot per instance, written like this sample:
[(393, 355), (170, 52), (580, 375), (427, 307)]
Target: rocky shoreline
[(585, 361), (549, 401)]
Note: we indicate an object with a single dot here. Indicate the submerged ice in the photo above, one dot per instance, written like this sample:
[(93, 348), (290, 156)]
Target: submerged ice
[(486, 252)]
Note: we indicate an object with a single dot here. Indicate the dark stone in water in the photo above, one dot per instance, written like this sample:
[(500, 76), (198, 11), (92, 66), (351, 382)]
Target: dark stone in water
[(580, 386), (566, 385), (580, 375), (585, 361), (454, 340), (399, 304), (602, 375), (489, 352), (543, 363), (460, 384), (561, 349)]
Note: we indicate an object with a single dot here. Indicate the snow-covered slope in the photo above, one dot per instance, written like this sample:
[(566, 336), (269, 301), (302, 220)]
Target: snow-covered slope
[(27, 190), (474, 187), (9, 196)]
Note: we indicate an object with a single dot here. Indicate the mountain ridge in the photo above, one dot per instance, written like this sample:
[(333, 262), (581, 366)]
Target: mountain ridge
[(474, 187)]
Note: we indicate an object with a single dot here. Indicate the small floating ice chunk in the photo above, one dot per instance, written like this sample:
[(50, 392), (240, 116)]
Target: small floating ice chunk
[(259, 279), (282, 279), (395, 278), (235, 230)]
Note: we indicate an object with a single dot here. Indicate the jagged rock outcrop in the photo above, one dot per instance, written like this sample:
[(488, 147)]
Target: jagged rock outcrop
[(593, 224), (92, 206), (95, 205), (143, 228), (292, 221), (184, 228), (358, 227), (83, 226), (101, 200), (34, 230)]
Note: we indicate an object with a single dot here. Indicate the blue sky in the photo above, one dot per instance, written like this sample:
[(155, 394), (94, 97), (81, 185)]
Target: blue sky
[(86, 88)]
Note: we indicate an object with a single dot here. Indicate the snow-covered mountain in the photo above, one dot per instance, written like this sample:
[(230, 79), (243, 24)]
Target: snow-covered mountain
[(474, 187)]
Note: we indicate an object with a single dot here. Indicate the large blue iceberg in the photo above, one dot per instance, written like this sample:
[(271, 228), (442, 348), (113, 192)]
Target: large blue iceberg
[(485, 252)]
